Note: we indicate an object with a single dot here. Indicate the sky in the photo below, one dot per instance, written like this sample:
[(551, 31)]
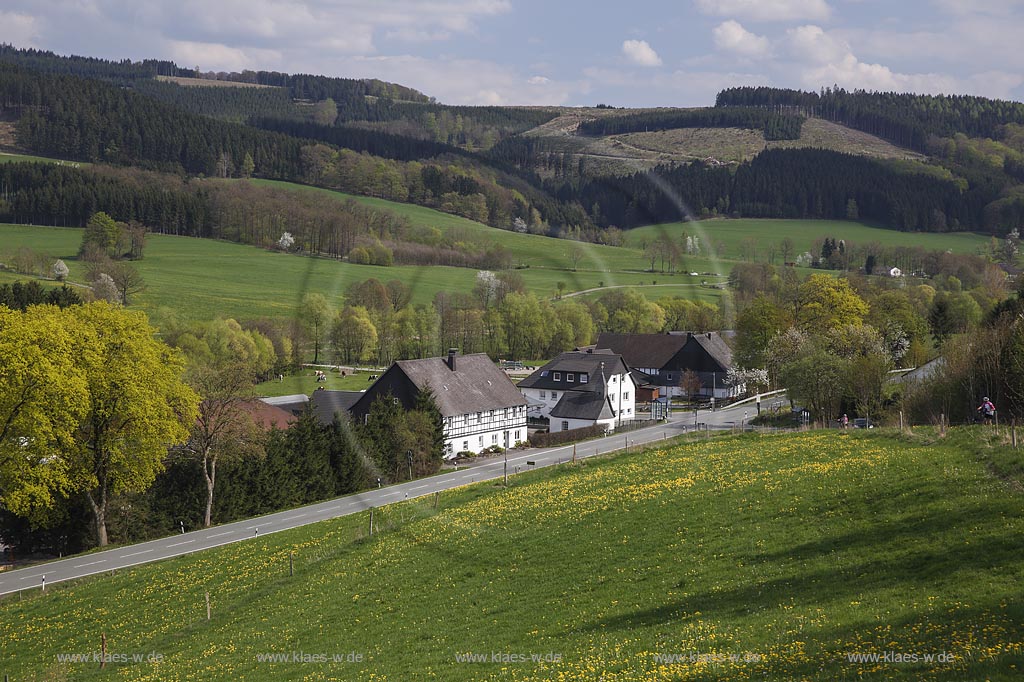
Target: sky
[(634, 53)]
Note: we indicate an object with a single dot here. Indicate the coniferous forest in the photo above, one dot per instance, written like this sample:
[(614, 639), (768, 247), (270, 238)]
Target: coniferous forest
[(385, 140)]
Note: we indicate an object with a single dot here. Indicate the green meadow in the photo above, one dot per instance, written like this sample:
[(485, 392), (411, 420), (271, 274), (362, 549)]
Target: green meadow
[(811, 556), (732, 232)]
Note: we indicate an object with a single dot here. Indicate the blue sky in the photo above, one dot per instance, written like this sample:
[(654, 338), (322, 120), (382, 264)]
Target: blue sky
[(568, 52)]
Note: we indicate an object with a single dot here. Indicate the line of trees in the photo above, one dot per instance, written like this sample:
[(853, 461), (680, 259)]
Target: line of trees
[(794, 183), (774, 126)]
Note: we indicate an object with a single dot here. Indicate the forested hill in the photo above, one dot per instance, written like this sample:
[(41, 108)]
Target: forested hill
[(125, 72), (498, 166), (906, 119)]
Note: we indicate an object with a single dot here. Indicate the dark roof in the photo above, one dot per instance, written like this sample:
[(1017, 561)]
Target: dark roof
[(656, 351), (476, 384), (716, 347), (576, 362), (644, 350), (583, 405), (325, 404)]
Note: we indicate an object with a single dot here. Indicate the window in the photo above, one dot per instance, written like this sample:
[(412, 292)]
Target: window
[(504, 414), (625, 396), (669, 377), (494, 438), (479, 417), (565, 425), (481, 441), (614, 377), (543, 395), (465, 445), (465, 419), (543, 372), (517, 435), (570, 377), (584, 377), (490, 414), (558, 376), (554, 395)]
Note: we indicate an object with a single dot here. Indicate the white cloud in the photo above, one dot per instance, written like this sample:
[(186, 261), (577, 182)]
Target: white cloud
[(639, 52), (684, 88), (813, 44), (731, 36), (218, 57), (463, 81), (825, 59), (767, 10), (18, 29)]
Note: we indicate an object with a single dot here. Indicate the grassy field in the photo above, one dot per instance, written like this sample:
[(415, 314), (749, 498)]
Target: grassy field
[(803, 233), (6, 157), (763, 557), (534, 251)]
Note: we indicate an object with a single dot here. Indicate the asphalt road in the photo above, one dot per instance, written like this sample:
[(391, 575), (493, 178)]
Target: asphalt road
[(33, 577)]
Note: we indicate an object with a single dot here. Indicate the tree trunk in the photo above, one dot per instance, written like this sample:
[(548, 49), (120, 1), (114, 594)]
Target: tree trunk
[(210, 473), (99, 514)]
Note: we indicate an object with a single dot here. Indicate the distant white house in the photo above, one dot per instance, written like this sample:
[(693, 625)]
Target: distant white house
[(895, 272), (582, 388)]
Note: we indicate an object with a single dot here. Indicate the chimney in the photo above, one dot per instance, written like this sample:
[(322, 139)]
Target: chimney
[(452, 352), (709, 335)]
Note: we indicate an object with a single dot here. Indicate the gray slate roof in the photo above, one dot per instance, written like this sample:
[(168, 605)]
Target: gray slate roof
[(476, 384), (325, 404), (576, 362), (656, 351), (583, 405)]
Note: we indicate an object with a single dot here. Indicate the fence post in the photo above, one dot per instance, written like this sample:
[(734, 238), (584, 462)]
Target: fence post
[(371, 522), (207, 606), (103, 650)]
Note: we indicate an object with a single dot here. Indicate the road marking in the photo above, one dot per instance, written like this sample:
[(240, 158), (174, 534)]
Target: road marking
[(145, 551), (31, 577), (292, 518), (178, 544), (217, 535), (420, 487), (91, 563)]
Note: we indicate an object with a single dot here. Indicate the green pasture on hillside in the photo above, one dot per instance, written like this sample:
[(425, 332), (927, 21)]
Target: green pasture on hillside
[(788, 557), (803, 233)]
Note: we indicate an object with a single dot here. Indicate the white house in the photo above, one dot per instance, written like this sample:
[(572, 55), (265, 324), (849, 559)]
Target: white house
[(479, 404), (582, 388)]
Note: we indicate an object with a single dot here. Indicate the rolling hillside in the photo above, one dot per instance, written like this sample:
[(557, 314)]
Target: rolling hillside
[(632, 152), (755, 557)]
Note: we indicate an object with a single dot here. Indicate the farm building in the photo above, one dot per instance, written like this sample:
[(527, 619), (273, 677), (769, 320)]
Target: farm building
[(582, 388), (666, 360), (479, 404)]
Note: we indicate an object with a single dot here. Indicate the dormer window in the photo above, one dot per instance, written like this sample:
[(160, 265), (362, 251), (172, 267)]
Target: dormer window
[(544, 372), (570, 377), (558, 376), (584, 378)]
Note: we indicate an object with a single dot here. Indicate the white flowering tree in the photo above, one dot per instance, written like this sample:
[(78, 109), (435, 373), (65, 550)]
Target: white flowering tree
[(104, 288), (60, 270), (286, 241)]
